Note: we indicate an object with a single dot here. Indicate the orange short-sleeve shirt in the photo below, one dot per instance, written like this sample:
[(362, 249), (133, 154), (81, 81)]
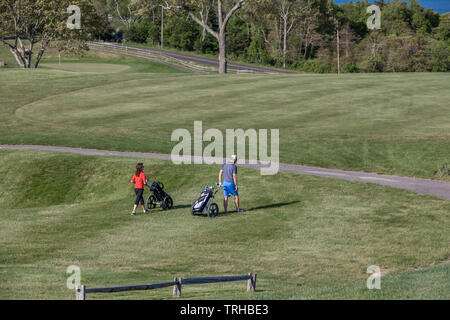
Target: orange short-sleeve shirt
[(140, 181)]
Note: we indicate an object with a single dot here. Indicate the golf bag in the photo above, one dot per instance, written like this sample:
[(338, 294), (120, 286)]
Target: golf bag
[(204, 204), (158, 197)]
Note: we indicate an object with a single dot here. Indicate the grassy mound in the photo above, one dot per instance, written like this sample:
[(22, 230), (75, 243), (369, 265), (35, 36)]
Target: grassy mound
[(304, 236)]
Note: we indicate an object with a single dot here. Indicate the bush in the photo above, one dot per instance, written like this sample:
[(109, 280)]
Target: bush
[(368, 63), (350, 67), (208, 46), (181, 33), (238, 39), (314, 65), (138, 32), (154, 34), (256, 52), (439, 56)]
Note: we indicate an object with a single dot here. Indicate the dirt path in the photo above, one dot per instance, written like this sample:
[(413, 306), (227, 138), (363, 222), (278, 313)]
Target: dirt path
[(422, 186)]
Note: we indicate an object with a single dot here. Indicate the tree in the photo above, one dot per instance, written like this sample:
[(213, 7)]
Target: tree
[(125, 10), (138, 32), (165, 6), (288, 10), (334, 14), (204, 12), (396, 18), (256, 52), (307, 30), (194, 7), (443, 29), (238, 36), (33, 22), (349, 38)]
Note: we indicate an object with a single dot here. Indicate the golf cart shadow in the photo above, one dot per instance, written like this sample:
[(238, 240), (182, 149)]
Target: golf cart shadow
[(182, 206)]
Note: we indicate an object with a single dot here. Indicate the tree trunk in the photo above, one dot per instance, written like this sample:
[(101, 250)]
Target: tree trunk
[(284, 41), (15, 52), (38, 58), (18, 58), (41, 52), (347, 45), (223, 63), (30, 53)]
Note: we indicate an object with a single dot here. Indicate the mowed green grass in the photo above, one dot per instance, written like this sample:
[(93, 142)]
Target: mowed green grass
[(305, 237), (386, 123)]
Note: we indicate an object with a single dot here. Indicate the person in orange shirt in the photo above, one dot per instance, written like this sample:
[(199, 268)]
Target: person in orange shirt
[(140, 180)]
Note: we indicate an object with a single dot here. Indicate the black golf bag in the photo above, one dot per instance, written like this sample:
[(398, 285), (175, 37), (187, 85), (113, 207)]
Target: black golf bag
[(158, 197), (204, 204)]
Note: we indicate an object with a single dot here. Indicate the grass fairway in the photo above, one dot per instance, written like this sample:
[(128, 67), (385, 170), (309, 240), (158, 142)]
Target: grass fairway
[(86, 67), (385, 123), (306, 237)]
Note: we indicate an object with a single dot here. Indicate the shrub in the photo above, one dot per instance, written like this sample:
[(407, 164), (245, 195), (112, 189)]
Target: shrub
[(350, 67), (138, 32)]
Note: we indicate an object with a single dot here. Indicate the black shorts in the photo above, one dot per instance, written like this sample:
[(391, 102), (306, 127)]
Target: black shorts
[(139, 196)]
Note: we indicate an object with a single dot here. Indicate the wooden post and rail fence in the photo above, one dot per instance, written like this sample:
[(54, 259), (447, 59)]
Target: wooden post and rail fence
[(177, 283)]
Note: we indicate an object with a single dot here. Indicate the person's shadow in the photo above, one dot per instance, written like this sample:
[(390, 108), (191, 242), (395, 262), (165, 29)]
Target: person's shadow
[(271, 206)]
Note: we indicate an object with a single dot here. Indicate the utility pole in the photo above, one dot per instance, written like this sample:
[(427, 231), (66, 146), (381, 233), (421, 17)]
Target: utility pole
[(166, 7), (162, 27), (338, 52)]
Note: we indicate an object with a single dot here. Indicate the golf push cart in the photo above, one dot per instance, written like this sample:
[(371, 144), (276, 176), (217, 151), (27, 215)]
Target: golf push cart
[(158, 196), (205, 206)]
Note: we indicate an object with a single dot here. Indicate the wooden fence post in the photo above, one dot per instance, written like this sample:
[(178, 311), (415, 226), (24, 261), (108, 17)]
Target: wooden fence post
[(80, 293), (251, 283), (177, 288)]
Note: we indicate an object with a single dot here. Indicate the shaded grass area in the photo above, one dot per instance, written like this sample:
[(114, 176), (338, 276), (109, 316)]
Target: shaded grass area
[(386, 123), (89, 58), (133, 65), (305, 237)]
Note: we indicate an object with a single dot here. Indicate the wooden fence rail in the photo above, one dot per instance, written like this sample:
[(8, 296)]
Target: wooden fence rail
[(177, 283)]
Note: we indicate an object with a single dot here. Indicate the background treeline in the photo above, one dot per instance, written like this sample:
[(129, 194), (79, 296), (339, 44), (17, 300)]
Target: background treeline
[(301, 35)]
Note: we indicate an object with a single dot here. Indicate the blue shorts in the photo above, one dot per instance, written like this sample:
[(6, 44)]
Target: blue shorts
[(229, 188)]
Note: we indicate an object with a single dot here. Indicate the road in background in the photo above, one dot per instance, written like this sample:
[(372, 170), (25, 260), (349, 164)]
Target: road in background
[(186, 59)]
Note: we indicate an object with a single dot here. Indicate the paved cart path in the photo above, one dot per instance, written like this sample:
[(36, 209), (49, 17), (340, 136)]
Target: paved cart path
[(436, 188), (239, 67), (174, 65)]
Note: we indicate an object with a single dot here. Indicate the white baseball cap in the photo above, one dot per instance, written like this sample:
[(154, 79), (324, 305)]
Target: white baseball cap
[(234, 157)]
